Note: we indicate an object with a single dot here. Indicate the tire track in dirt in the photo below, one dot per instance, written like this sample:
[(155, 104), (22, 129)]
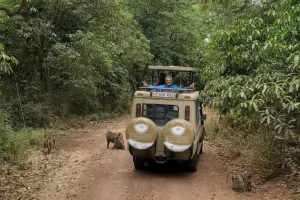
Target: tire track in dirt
[(105, 174), (116, 178)]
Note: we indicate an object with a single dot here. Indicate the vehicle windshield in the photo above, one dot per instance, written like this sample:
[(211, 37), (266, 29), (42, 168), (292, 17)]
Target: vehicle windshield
[(160, 114)]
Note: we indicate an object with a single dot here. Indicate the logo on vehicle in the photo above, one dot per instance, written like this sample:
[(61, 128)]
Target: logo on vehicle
[(141, 126), (177, 128)]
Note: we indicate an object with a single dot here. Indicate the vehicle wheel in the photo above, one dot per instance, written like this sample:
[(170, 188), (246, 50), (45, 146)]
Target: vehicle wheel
[(201, 150), (192, 164), (139, 163)]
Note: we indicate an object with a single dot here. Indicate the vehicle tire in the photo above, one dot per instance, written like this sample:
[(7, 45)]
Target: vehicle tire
[(139, 163), (201, 150), (192, 164)]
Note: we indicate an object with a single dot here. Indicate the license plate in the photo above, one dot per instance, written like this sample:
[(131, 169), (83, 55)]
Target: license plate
[(164, 94)]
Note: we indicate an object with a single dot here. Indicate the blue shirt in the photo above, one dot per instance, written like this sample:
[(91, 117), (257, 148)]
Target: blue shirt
[(165, 86)]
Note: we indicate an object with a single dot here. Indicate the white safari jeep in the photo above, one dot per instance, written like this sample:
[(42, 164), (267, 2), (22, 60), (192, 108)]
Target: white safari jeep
[(167, 124)]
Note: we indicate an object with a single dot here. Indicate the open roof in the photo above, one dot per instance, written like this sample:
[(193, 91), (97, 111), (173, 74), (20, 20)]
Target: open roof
[(173, 68)]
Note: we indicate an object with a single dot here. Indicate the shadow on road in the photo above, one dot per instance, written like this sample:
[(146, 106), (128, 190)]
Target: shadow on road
[(170, 168)]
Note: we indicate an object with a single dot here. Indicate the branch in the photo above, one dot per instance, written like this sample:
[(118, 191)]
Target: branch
[(243, 6), (56, 11), (171, 35), (266, 7), (10, 13), (79, 2)]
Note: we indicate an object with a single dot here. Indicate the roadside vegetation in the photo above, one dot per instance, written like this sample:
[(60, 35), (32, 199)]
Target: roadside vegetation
[(255, 65), (68, 60)]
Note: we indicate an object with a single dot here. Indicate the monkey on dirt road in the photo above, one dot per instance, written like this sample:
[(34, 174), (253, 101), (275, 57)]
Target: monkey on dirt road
[(115, 138), (241, 182), (49, 143)]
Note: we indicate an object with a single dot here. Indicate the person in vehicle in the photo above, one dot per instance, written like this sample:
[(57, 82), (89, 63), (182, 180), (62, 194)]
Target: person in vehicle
[(159, 80), (162, 77), (168, 84)]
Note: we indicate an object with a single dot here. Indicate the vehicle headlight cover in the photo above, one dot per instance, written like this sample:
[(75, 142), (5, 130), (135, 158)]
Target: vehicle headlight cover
[(141, 133), (178, 135)]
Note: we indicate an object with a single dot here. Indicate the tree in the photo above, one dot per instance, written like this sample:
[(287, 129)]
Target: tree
[(256, 70), (10, 13), (173, 29)]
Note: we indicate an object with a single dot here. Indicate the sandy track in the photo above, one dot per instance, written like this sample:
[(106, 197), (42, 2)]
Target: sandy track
[(94, 172)]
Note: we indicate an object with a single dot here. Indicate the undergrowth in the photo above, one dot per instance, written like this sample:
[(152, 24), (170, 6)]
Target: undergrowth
[(256, 151), (16, 143)]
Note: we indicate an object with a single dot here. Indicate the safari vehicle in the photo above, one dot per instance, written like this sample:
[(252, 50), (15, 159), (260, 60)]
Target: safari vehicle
[(167, 124)]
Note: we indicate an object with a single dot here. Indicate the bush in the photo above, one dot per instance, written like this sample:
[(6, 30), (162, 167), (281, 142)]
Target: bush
[(14, 144), (259, 149)]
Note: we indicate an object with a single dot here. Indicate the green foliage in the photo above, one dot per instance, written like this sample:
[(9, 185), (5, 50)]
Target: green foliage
[(252, 73), (82, 59), (174, 29), (14, 144), (258, 68), (260, 153), (6, 61), (78, 60), (73, 59)]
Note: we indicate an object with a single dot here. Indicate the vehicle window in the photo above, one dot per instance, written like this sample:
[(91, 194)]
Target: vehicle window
[(160, 114)]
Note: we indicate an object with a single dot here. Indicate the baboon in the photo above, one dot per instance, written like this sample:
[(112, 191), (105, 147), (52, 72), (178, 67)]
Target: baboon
[(247, 181), (49, 143), (114, 138), (241, 182), (216, 128), (119, 142)]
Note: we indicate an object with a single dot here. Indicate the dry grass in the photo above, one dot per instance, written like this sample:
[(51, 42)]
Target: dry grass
[(252, 152), (243, 152)]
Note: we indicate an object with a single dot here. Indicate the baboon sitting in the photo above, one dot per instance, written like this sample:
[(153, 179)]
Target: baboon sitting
[(119, 142), (115, 138), (241, 182)]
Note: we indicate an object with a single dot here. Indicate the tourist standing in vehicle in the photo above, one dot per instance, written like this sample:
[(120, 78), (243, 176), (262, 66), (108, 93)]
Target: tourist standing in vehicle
[(168, 84)]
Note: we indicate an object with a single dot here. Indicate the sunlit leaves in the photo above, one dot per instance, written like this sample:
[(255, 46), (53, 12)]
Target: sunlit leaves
[(6, 61), (296, 60)]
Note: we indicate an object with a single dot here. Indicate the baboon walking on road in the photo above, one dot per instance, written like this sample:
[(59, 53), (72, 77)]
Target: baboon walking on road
[(49, 143)]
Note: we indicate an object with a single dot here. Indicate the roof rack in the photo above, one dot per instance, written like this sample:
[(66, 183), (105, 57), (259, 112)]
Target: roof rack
[(172, 90), (173, 68)]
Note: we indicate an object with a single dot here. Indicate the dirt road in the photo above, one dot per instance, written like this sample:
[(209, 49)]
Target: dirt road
[(91, 171)]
